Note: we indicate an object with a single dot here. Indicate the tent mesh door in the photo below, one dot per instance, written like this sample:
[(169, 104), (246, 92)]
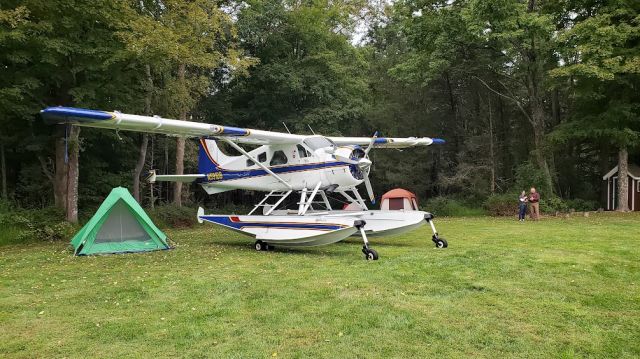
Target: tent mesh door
[(121, 226)]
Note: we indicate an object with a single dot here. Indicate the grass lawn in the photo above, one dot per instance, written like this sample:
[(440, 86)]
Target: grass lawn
[(557, 288)]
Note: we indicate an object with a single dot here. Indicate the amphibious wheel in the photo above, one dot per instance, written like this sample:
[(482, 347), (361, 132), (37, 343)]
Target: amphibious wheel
[(260, 246), (441, 243), (370, 254)]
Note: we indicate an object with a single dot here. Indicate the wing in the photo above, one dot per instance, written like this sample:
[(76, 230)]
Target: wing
[(154, 124), (387, 142)]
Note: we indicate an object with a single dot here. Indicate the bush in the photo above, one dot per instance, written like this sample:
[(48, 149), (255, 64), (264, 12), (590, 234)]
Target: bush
[(502, 204), (553, 205), (172, 216), (582, 205), (507, 205), (443, 206), (45, 224)]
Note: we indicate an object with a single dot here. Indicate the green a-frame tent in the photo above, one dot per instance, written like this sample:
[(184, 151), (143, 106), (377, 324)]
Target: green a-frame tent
[(120, 225)]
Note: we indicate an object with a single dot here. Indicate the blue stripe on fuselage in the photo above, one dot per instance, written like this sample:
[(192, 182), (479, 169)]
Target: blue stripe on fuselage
[(241, 174), (226, 221)]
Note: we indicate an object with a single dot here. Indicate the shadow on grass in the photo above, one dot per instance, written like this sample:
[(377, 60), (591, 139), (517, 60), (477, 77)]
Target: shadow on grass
[(316, 250)]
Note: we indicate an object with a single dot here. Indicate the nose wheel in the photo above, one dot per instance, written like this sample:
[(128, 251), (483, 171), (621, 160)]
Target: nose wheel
[(370, 254)]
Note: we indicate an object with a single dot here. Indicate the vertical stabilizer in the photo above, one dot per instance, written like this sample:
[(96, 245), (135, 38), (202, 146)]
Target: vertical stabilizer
[(210, 157)]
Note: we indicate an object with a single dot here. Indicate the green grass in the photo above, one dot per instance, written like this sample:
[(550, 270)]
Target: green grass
[(557, 288)]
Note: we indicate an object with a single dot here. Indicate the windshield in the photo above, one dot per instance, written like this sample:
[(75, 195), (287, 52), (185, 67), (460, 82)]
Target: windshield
[(315, 143)]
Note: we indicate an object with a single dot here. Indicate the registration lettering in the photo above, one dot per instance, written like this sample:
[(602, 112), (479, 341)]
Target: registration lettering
[(214, 176)]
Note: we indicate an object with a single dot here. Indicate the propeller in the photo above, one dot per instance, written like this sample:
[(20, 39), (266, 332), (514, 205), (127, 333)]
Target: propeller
[(359, 159), (366, 168)]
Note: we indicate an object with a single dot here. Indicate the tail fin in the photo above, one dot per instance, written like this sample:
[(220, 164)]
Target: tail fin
[(210, 158)]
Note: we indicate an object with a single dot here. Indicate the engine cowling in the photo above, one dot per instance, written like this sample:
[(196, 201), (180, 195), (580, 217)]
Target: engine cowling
[(356, 157)]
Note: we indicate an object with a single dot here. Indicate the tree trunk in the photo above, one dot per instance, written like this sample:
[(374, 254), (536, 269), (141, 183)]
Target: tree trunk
[(60, 178), (492, 151), (3, 168), (177, 188), (152, 200), (538, 139), (623, 180), (180, 142), (72, 174), (142, 154), (535, 71)]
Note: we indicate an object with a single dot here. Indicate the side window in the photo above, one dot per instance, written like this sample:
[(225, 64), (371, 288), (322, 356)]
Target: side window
[(279, 158), (302, 152), (261, 158)]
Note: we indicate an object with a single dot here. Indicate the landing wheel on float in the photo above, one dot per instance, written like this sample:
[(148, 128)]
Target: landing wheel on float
[(260, 246), (440, 242), (369, 253)]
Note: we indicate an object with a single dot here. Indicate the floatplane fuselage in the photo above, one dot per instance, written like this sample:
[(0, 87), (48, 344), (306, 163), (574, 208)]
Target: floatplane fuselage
[(282, 164)]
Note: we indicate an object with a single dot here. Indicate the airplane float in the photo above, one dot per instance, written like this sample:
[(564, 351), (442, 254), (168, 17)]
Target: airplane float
[(312, 167)]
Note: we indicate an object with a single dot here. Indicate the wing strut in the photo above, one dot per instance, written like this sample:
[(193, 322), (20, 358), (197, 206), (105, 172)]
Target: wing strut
[(247, 155)]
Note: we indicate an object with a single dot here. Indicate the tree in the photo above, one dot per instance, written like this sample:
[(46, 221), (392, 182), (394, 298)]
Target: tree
[(309, 74), (68, 56), (602, 67), (187, 41)]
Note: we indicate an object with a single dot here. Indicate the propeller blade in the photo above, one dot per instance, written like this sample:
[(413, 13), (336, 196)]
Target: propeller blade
[(371, 143), (345, 159), (367, 184)]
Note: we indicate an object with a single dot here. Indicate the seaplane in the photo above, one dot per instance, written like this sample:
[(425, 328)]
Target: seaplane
[(286, 167)]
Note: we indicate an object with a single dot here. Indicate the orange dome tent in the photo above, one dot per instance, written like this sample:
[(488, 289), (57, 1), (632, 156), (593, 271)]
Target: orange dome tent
[(399, 199)]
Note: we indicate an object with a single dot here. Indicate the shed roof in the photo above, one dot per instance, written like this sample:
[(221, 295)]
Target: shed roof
[(634, 172)]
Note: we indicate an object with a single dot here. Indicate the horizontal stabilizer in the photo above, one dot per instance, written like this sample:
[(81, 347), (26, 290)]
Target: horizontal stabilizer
[(153, 177)]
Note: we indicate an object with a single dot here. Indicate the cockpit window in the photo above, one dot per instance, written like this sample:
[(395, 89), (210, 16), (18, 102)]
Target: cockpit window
[(315, 143), (302, 152), (279, 158)]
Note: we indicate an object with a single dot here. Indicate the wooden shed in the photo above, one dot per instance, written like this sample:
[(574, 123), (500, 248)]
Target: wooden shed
[(611, 184), (399, 199)]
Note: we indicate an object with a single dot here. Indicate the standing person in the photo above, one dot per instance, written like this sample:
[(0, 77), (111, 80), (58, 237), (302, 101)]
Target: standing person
[(534, 199), (522, 209)]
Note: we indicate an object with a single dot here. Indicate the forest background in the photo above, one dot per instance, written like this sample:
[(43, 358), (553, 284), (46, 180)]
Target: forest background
[(526, 93)]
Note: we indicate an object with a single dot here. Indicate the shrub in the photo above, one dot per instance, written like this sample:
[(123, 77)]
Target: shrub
[(502, 204), (582, 205), (444, 206), (553, 205), (45, 224), (507, 205), (173, 216)]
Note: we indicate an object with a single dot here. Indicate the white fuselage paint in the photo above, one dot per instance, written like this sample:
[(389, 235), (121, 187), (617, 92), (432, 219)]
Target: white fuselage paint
[(304, 168)]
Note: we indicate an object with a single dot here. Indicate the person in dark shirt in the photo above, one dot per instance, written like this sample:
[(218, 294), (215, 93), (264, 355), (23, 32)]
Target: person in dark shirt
[(534, 200), (522, 206)]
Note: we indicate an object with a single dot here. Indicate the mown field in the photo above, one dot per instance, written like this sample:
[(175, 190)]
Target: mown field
[(557, 288)]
